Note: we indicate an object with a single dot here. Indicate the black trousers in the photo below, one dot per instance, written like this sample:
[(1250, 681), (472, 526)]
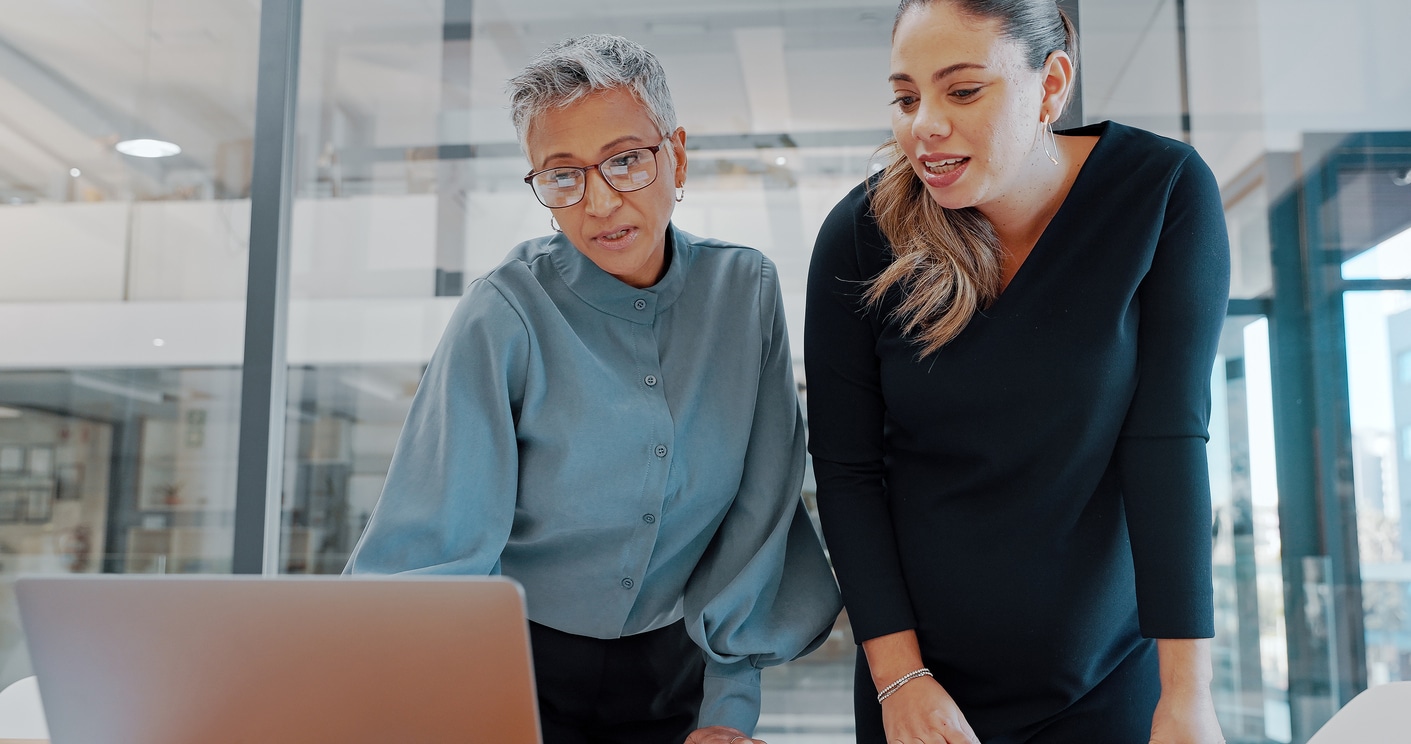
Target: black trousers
[(1117, 711), (641, 689)]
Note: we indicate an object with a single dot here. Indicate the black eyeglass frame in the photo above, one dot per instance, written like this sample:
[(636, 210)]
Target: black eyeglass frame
[(654, 149)]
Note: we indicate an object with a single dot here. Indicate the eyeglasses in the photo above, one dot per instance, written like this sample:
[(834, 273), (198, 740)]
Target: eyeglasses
[(626, 171)]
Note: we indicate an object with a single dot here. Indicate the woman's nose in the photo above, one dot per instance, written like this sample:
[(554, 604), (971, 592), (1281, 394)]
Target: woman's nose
[(931, 120), (599, 199)]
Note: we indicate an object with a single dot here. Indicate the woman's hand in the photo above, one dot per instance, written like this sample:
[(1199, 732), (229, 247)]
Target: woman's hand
[(720, 735), (922, 711), (1185, 713)]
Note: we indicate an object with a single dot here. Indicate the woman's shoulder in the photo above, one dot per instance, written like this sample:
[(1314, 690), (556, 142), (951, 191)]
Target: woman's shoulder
[(850, 236), (714, 255), (1142, 166), (1122, 147)]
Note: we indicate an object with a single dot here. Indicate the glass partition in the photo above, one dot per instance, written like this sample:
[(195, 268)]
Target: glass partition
[(122, 288)]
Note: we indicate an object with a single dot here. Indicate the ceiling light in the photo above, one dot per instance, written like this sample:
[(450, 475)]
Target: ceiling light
[(75, 172), (158, 342), (781, 160), (148, 148), (9, 413)]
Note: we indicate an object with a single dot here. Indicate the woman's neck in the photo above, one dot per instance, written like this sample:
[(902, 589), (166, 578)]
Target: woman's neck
[(1020, 216)]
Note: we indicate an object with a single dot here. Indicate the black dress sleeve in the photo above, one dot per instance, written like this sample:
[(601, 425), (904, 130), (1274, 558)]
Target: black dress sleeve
[(1161, 453), (846, 414)]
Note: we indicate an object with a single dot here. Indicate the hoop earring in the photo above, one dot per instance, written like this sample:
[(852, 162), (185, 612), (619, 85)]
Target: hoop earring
[(1047, 136), (555, 225), (680, 193)]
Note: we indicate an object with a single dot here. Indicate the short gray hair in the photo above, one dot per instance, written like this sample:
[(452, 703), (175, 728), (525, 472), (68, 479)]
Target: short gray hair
[(576, 67)]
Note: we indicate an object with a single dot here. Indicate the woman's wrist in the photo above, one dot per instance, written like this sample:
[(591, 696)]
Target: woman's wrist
[(1185, 664), (892, 656)]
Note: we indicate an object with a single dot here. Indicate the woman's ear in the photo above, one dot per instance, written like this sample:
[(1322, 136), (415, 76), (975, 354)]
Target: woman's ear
[(1058, 80), (678, 151)]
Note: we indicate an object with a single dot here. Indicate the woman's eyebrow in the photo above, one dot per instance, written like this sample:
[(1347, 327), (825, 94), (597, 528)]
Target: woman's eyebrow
[(604, 148), (939, 74)]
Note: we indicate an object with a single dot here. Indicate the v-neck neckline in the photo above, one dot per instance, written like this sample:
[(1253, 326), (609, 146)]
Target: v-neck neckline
[(1102, 130)]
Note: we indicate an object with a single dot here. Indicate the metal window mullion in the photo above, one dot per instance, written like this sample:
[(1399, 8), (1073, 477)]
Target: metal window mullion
[(264, 389)]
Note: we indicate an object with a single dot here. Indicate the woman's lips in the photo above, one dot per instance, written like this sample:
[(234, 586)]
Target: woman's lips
[(940, 172), (616, 239)]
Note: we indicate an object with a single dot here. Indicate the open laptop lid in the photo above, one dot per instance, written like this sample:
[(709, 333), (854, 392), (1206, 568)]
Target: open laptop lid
[(214, 659)]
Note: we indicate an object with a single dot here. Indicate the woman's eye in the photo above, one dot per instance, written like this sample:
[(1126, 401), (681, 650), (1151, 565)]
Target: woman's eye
[(624, 160), (904, 101), (964, 93)]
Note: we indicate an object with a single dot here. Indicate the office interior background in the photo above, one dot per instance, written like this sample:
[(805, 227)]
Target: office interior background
[(135, 398)]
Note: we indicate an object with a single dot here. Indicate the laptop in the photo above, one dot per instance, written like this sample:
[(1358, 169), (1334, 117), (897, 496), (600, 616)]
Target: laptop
[(298, 659)]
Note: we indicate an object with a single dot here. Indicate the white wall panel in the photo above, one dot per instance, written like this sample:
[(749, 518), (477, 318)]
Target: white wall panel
[(364, 246), (191, 250), (62, 252)]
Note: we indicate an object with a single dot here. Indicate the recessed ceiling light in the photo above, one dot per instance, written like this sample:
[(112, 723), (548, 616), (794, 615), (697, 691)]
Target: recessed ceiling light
[(781, 160), (75, 172), (148, 148), (158, 342)]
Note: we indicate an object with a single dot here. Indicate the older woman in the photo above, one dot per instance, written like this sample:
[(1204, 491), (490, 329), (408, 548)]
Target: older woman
[(1010, 335), (611, 420)]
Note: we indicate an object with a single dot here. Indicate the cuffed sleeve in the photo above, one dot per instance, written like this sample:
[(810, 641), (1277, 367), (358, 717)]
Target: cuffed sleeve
[(762, 593), (1161, 453), (449, 499)]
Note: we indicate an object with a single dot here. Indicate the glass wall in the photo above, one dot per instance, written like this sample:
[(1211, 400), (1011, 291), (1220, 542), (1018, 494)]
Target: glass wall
[(123, 279), (122, 284)]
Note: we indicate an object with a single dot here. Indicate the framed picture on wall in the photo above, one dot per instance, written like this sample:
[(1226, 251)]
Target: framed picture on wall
[(40, 463), (12, 459), (13, 504), (39, 504)]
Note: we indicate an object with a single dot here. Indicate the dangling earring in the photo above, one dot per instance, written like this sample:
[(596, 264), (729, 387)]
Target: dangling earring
[(680, 193), (555, 224), (1047, 136)]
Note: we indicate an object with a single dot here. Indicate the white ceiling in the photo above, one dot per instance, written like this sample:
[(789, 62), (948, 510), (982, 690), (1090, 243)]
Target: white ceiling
[(76, 75)]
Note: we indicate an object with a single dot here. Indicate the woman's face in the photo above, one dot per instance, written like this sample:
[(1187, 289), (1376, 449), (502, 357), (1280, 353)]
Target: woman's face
[(967, 107), (624, 234)]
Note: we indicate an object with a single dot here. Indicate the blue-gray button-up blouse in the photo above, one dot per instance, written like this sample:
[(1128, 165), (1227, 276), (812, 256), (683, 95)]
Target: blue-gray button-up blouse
[(631, 456)]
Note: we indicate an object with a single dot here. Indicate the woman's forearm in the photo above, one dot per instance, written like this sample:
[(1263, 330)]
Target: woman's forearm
[(1185, 663)]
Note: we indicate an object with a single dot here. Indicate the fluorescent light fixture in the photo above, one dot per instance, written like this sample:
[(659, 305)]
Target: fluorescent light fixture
[(148, 148), (7, 413)]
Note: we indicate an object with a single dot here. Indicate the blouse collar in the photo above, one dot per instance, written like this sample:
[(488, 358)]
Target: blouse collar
[(611, 295)]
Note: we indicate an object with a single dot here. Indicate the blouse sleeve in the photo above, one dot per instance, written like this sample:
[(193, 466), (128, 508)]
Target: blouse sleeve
[(762, 593), (846, 412), (1161, 453), (449, 499)]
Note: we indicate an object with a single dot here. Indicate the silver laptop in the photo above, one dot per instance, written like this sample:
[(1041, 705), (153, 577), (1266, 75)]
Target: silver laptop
[(225, 659)]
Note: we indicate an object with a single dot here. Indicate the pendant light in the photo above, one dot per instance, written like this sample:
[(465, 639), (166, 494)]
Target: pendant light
[(146, 147)]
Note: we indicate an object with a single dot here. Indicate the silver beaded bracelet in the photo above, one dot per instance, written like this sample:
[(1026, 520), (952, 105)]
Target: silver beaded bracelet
[(893, 687)]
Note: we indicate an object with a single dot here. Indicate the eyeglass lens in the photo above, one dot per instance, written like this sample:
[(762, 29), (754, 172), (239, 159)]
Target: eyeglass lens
[(625, 171)]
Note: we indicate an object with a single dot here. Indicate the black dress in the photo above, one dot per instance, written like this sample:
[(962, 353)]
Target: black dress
[(1033, 498)]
